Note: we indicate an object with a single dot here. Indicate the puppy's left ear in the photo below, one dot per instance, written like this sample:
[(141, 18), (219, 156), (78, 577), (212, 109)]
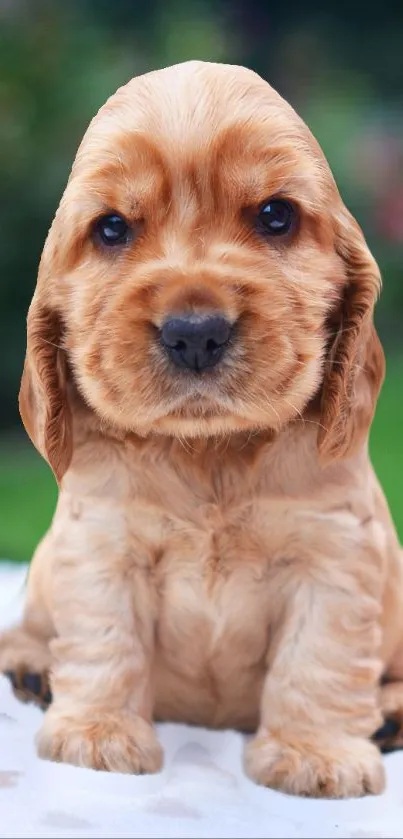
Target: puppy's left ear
[(355, 363), (43, 402)]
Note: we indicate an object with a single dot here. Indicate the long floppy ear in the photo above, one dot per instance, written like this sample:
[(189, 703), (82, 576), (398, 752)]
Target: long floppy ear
[(43, 401), (355, 365)]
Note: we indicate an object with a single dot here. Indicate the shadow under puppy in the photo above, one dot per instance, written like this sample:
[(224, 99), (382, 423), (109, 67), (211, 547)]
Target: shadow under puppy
[(201, 374)]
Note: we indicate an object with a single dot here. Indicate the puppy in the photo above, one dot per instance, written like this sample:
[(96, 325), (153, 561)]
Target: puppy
[(201, 374)]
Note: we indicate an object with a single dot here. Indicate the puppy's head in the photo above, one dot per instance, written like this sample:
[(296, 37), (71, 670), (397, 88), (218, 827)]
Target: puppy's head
[(202, 275)]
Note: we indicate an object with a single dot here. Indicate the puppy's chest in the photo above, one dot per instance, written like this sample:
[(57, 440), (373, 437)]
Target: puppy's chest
[(212, 599), (210, 554)]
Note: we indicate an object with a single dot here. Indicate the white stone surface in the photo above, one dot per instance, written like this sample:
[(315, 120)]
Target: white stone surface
[(202, 791)]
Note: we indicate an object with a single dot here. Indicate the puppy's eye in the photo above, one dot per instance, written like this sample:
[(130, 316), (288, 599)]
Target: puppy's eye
[(112, 230), (276, 217)]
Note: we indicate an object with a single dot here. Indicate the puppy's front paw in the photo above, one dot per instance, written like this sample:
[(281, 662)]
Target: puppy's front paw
[(109, 742), (348, 768)]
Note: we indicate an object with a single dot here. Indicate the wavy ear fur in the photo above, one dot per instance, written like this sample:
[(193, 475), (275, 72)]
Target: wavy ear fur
[(355, 366), (43, 401)]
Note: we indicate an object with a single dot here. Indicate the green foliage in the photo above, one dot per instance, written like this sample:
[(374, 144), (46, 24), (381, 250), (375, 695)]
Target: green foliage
[(386, 440), (28, 495)]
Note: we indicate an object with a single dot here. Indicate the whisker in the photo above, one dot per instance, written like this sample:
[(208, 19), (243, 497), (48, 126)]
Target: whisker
[(186, 445), (343, 331), (51, 343), (330, 362), (311, 422)]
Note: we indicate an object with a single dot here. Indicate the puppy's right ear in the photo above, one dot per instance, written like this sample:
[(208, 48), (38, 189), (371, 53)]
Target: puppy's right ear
[(356, 365), (43, 401)]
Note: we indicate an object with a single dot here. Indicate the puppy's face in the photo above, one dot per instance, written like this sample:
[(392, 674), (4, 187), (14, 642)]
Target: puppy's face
[(195, 261)]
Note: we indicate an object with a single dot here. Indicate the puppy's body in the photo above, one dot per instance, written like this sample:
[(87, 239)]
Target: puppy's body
[(221, 552), (216, 543)]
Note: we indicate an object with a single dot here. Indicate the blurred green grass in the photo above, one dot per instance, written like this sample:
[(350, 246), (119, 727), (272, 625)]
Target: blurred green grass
[(28, 495), (28, 491)]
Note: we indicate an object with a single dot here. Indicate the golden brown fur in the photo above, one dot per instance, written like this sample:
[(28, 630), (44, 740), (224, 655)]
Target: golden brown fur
[(221, 552)]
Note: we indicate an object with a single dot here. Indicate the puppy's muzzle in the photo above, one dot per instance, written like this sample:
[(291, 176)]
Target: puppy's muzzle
[(194, 341)]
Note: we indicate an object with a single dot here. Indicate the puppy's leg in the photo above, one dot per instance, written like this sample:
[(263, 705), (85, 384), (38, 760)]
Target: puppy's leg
[(320, 699), (24, 650), (101, 714)]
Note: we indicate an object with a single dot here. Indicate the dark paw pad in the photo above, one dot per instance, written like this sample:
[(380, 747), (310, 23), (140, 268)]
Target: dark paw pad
[(389, 736), (30, 687)]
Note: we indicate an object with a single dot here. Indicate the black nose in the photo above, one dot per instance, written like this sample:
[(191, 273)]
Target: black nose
[(196, 341)]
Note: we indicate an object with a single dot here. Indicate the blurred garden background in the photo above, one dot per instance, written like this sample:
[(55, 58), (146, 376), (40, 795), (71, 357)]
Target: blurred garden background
[(340, 64)]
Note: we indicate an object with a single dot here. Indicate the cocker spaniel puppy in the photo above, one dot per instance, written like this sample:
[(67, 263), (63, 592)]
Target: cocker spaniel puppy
[(201, 374)]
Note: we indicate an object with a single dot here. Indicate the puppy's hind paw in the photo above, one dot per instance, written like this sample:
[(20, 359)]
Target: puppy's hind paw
[(25, 661), (389, 738), (30, 687)]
